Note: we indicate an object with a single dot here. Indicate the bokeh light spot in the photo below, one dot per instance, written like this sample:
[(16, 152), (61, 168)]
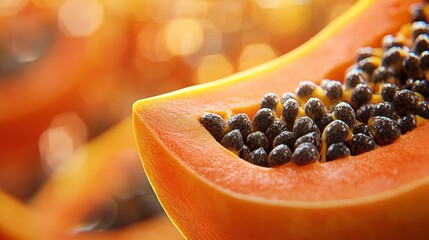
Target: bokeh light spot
[(151, 44), (183, 36), (213, 67), (255, 54), (59, 143), (11, 7), (269, 3), (81, 17)]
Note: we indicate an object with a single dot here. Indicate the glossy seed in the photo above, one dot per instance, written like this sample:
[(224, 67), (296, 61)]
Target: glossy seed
[(286, 96), (421, 86), (368, 65), (383, 75), (312, 137), (361, 143), (314, 108), (257, 140), (407, 123), (334, 90), (322, 122), (423, 109), (344, 111), (389, 41), (361, 94), (384, 130), (245, 152), (336, 131), (336, 151), (364, 52), (290, 110), (364, 112), (280, 155), (275, 129), (384, 109), (233, 141), (405, 101), (263, 118), (417, 12), (393, 58), (258, 157), (411, 66), (242, 122), (324, 83), (270, 100), (408, 84), (304, 125), (305, 153), (305, 89), (215, 124), (418, 28), (424, 61), (354, 77), (286, 137), (421, 44), (362, 128), (388, 91)]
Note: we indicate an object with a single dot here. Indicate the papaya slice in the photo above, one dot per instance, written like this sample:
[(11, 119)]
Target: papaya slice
[(211, 193)]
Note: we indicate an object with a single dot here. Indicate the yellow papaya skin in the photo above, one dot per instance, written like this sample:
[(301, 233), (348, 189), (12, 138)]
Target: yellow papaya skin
[(209, 193)]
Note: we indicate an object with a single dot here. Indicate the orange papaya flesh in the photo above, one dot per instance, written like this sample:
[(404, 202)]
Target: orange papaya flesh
[(210, 193)]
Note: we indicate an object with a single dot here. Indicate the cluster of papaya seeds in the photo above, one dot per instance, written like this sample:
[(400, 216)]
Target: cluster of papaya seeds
[(383, 95)]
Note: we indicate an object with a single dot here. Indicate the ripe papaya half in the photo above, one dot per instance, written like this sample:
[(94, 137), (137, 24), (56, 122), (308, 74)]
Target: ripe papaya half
[(209, 192)]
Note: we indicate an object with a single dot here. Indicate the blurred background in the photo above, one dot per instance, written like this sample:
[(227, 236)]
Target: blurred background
[(69, 73)]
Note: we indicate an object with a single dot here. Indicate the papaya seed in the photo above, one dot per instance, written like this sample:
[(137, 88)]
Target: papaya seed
[(334, 90), (233, 141), (257, 140), (303, 125), (407, 123), (344, 111), (336, 131), (280, 155), (305, 89), (337, 150), (290, 110), (354, 77), (263, 118), (312, 137), (215, 124), (388, 91), (405, 101), (285, 137), (275, 129), (305, 153), (361, 94), (384, 130), (259, 157), (314, 108), (242, 122), (270, 100), (361, 143)]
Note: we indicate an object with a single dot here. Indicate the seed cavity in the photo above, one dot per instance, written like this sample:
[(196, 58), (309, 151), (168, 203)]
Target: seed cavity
[(382, 96)]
